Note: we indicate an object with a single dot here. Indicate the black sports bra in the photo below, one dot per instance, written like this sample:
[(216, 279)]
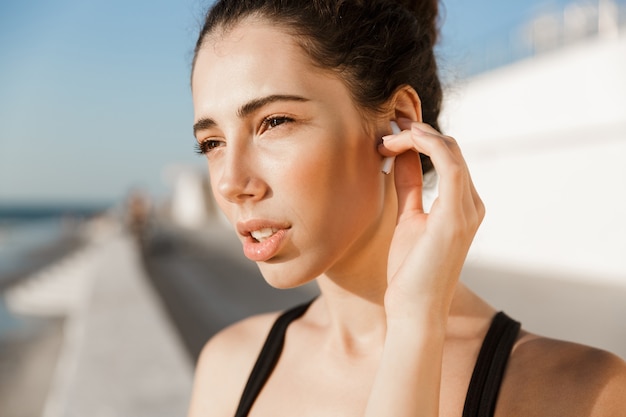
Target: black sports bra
[(484, 386)]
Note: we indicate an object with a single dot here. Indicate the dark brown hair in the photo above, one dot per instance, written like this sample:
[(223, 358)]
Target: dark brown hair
[(376, 46)]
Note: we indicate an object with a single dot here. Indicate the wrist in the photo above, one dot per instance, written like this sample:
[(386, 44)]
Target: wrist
[(416, 330), (426, 313)]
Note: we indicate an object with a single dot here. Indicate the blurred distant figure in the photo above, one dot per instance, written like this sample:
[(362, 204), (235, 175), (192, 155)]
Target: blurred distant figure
[(137, 215)]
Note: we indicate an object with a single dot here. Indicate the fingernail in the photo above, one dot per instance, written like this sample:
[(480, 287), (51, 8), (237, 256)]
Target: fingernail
[(388, 137)]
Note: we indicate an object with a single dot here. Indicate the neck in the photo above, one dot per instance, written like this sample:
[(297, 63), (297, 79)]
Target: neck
[(353, 290), (354, 321)]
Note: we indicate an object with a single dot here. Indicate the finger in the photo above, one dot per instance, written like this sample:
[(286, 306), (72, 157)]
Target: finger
[(408, 173), (457, 194), (448, 162), (472, 200), (389, 147), (409, 184), (462, 198), (395, 144), (443, 152)]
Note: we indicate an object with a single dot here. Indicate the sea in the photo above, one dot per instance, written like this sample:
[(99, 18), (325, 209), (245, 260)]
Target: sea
[(34, 235)]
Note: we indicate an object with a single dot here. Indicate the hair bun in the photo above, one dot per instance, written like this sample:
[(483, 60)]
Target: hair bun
[(427, 13)]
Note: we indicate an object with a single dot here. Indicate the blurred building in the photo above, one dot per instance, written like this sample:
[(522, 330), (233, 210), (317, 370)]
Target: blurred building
[(545, 138), (191, 204)]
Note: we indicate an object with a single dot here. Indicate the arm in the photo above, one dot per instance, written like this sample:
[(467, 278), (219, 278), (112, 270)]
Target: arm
[(425, 261), (611, 400)]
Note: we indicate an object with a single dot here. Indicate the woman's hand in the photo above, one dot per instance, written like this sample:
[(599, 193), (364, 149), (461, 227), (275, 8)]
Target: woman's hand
[(425, 260), (428, 249)]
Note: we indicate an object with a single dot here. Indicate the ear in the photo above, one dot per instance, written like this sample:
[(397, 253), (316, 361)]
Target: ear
[(406, 103)]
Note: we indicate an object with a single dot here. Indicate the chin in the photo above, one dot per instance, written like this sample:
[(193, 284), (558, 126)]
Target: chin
[(286, 275)]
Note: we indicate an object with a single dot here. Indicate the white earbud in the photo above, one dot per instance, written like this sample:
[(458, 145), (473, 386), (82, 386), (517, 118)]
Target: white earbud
[(388, 161)]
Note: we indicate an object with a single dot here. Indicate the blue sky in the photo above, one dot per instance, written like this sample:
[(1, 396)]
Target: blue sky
[(94, 94)]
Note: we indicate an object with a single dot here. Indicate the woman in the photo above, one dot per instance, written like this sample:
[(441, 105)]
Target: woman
[(291, 99)]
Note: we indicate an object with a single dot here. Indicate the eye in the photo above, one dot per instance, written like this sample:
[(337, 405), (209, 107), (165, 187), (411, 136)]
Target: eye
[(207, 146), (275, 121)]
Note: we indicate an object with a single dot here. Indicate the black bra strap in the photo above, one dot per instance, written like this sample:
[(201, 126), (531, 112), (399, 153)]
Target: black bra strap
[(268, 358), (484, 386)]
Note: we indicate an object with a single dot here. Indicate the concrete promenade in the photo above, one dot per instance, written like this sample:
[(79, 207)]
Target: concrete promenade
[(103, 338), (119, 354)]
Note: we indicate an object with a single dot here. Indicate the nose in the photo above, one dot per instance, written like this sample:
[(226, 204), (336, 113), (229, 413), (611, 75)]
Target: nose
[(239, 180)]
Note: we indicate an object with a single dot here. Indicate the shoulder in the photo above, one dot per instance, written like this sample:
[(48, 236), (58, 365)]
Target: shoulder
[(552, 377), (225, 364)]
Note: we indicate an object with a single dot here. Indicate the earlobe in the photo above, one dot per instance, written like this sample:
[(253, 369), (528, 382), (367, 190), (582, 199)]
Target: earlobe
[(407, 104)]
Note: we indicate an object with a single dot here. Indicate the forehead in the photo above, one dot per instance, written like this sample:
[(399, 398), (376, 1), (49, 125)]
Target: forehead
[(252, 58), (248, 31)]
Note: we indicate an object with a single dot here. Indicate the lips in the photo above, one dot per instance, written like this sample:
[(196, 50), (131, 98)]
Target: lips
[(262, 239)]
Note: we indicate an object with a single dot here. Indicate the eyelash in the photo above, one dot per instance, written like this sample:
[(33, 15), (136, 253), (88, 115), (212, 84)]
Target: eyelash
[(270, 122), (205, 146)]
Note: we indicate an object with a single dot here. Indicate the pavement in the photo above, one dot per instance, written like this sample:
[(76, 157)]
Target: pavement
[(116, 327), (116, 352)]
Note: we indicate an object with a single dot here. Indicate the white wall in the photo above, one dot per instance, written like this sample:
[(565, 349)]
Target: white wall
[(545, 140)]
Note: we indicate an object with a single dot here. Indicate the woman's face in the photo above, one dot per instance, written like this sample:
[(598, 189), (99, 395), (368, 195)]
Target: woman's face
[(291, 162)]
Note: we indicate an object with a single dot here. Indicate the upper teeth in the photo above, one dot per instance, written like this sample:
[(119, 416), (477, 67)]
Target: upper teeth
[(263, 234)]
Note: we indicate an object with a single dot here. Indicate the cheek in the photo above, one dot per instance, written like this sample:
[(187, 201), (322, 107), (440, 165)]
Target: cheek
[(335, 188)]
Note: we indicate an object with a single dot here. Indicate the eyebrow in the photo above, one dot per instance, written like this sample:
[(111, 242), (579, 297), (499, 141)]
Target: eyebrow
[(248, 108)]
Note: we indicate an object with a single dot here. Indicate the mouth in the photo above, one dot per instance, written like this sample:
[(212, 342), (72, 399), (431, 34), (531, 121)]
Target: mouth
[(262, 239), (263, 234), (259, 229)]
